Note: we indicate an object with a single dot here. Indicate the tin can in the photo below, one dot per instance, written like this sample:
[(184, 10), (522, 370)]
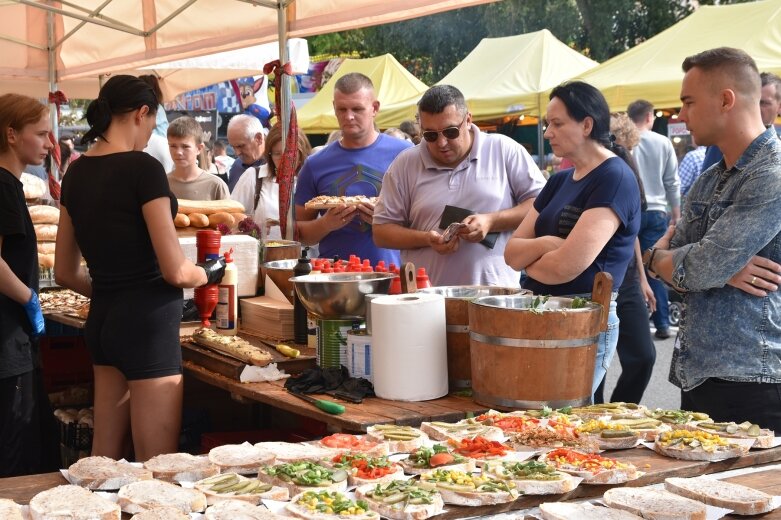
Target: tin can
[(332, 341), (311, 330), (359, 354)]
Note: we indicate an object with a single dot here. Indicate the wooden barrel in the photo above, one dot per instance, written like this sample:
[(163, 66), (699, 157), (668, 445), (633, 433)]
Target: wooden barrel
[(524, 358), (457, 298)]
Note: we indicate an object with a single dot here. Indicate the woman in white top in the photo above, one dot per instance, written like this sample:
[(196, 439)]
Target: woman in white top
[(261, 202)]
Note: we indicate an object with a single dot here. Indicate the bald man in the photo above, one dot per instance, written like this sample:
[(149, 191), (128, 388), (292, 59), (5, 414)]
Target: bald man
[(725, 252)]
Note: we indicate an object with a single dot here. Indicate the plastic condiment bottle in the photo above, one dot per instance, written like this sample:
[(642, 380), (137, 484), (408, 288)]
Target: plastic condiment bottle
[(300, 325), (227, 300), (421, 280)]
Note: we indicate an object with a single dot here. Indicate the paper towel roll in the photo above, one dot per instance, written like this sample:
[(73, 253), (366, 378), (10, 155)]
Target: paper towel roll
[(409, 346)]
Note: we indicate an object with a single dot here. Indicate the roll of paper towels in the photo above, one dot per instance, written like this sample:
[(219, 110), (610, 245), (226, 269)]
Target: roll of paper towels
[(409, 346)]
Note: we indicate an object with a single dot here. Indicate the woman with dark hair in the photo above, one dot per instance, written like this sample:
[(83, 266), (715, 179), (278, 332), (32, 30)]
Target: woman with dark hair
[(117, 212), (586, 218), (28, 434), (260, 193)]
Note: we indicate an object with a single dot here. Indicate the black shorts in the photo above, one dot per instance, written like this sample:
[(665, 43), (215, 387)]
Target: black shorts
[(137, 331)]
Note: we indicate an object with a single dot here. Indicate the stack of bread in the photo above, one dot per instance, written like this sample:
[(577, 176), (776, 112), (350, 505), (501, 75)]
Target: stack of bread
[(199, 214), (45, 218)]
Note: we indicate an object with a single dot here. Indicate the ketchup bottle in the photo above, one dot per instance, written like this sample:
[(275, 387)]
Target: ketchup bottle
[(421, 280)]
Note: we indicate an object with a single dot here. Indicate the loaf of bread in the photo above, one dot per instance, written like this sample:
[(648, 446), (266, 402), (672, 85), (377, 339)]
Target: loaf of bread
[(10, 510), (181, 467), (105, 473), (34, 187), (147, 494), (181, 220), (198, 220), (73, 503), (46, 232), (44, 214), (46, 248), (207, 207), (46, 260), (221, 217)]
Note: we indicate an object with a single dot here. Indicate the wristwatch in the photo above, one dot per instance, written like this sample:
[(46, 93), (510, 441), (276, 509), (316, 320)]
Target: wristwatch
[(648, 259)]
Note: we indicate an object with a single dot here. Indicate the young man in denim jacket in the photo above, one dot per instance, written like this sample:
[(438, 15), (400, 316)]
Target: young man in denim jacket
[(725, 252)]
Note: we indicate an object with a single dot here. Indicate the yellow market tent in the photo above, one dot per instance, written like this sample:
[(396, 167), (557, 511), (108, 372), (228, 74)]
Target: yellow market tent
[(392, 83), (505, 76), (652, 69)]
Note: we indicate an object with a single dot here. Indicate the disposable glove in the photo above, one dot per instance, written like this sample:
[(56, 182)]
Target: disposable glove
[(215, 269), (35, 315)]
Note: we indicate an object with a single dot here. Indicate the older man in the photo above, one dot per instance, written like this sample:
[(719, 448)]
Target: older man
[(353, 165), (247, 137), (724, 253), (488, 176)]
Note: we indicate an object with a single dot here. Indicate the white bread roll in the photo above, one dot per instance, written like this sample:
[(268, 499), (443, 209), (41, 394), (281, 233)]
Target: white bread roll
[(46, 232), (105, 473), (743, 500), (41, 214), (10, 510), (72, 503), (34, 187), (147, 494), (181, 467), (654, 504)]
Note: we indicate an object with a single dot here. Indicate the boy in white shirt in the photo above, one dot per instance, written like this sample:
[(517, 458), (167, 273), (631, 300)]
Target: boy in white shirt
[(187, 180)]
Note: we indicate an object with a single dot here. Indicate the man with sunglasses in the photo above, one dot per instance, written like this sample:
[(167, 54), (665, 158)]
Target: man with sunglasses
[(489, 176)]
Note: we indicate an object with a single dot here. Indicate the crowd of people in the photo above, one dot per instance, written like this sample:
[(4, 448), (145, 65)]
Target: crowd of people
[(617, 208)]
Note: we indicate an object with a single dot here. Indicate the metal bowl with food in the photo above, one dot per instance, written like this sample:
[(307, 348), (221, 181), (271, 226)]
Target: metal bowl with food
[(273, 250), (339, 295)]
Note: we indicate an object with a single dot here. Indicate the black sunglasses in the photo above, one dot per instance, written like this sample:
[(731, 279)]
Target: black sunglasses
[(451, 132)]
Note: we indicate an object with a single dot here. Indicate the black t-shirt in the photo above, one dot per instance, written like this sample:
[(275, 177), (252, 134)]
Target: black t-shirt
[(20, 252), (104, 195)]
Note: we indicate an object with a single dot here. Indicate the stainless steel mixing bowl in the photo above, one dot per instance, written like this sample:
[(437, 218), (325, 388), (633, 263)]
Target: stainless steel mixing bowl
[(340, 295)]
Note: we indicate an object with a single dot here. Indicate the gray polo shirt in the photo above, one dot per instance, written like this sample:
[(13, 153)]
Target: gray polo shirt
[(497, 174)]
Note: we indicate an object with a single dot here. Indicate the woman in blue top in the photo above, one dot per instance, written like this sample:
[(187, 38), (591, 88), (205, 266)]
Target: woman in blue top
[(586, 218)]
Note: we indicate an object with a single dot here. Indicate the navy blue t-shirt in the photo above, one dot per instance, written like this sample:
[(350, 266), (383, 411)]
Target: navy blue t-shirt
[(560, 204)]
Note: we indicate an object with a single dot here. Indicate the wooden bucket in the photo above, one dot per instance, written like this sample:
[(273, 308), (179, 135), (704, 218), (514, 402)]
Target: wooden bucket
[(525, 359), (457, 298)]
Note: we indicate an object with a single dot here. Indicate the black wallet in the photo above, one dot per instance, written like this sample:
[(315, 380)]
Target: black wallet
[(455, 214)]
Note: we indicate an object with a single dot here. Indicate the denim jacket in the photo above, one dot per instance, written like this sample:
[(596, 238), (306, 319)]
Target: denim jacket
[(729, 216)]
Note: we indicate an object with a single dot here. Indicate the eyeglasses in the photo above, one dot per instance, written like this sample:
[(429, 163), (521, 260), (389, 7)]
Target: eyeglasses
[(451, 132)]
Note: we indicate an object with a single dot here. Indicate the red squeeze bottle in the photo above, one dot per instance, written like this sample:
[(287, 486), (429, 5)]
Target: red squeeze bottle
[(421, 280), (367, 269)]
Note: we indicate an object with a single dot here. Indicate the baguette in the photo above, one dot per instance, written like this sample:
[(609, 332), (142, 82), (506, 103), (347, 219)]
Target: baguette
[(328, 505), (466, 489), (161, 513), (532, 477), (46, 232), (208, 207), (654, 504), (10, 510), (103, 473), (469, 429), (147, 494), (400, 439), (198, 220), (181, 467), (46, 248), (401, 500), (743, 500), (582, 511), (697, 445), (72, 503), (44, 214), (240, 458), (233, 346), (181, 220), (238, 510), (298, 477), (232, 486), (221, 217)]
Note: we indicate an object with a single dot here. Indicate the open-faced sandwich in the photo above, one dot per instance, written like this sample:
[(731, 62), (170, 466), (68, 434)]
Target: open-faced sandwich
[(508, 422), (593, 468), (425, 459), (482, 450), (73, 503), (532, 477), (302, 476), (400, 439), (364, 469), (609, 435), (181, 467), (552, 435), (10, 510), (329, 505), (647, 428), (617, 410), (401, 500), (295, 451), (160, 513), (742, 500), (468, 489), (147, 494), (678, 419), (239, 510), (353, 443), (763, 438), (103, 473), (466, 429), (232, 486), (697, 445), (582, 511), (240, 458), (654, 503)]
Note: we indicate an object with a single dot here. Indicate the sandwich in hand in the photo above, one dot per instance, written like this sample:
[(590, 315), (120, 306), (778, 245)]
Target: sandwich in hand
[(532, 477), (593, 468), (302, 476), (467, 489), (364, 469), (425, 459), (232, 486), (329, 505), (401, 500)]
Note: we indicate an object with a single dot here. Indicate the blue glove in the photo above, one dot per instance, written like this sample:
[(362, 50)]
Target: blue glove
[(35, 315)]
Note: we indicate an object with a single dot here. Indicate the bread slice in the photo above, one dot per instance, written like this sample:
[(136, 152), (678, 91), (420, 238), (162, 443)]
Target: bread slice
[(353, 443), (244, 459), (466, 489), (763, 438), (582, 511), (238, 510), (654, 504), (307, 505), (743, 500), (161, 513), (103, 473), (400, 439), (10, 510), (532, 477), (401, 500), (295, 451), (181, 467), (441, 431), (302, 476), (697, 445), (232, 486), (611, 471), (147, 494), (74, 503)]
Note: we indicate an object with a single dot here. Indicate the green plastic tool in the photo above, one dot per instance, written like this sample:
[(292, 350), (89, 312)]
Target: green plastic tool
[(326, 406)]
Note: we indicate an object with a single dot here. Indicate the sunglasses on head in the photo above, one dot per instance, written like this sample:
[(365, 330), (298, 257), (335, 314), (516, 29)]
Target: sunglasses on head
[(451, 132)]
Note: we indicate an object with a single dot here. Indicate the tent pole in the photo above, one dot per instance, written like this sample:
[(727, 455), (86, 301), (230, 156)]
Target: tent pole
[(52, 59), (284, 99), (540, 138)]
